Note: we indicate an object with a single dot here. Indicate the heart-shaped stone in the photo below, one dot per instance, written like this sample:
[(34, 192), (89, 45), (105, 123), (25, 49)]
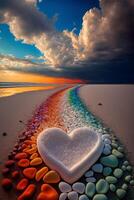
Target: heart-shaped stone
[(70, 154)]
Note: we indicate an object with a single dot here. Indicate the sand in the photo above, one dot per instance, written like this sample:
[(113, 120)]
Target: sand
[(117, 110)]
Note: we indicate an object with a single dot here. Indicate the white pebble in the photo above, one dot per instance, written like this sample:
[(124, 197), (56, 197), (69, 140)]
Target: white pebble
[(73, 195), (107, 141), (79, 187), (89, 173), (108, 146), (64, 187), (83, 197), (63, 196), (106, 151), (91, 179)]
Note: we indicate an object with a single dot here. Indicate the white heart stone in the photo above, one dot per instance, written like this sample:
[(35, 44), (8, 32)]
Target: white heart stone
[(70, 154)]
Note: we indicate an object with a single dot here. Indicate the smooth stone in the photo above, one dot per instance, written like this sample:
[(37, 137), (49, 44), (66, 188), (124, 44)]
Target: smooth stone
[(91, 179), (19, 156), (132, 182), (121, 149), (97, 168), (115, 145), (36, 161), (90, 189), (106, 151), (108, 146), (107, 141), (70, 154), (128, 178), (110, 161), (126, 163), (30, 172), (40, 173), (105, 136), (129, 168), (100, 197), (118, 173), (89, 173), (63, 196), (51, 177), (64, 187), (124, 186), (83, 197), (15, 174), (111, 179), (23, 163), (9, 163), (107, 171), (7, 183), (73, 195), (23, 183), (78, 187), (120, 193), (124, 168), (102, 186), (48, 193), (117, 153), (112, 187)]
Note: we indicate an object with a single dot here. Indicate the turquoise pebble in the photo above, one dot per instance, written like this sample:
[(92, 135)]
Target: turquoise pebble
[(112, 187), (111, 179), (102, 186), (120, 193), (124, 186), (128, 178), (110, 161), (118, 172), (90, 189), (107, 171), (117, 153), (100, 197)]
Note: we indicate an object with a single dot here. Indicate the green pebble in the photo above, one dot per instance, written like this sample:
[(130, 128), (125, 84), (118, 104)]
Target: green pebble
[(115, 145), (117, 153), (126, 163), (123, 168), (121, 149), (128, 178), (112, 187), (100, 197), (120, 193), (107, 171), (124, 186), (110, 161), (90, 189), (102, 186), (118, 173), (111, 179), (132, 182), (129, 168)]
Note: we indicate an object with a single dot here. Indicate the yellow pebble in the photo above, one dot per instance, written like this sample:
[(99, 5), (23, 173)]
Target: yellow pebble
[(41, 173), (36, 161), (51, 177), (32, 150), (34, 155)]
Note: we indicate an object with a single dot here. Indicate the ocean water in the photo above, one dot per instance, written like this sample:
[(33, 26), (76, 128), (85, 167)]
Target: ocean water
[(12, 88)]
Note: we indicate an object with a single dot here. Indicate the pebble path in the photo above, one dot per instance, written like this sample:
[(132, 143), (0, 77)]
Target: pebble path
[(111, 177)]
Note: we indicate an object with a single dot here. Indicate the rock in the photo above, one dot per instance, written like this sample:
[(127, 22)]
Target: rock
[(6, 183), (36, 161), (23, 183), (124, 186), (107, 171), (40, 173), (28, 193), (90, 189), (73, 195), (112, 187), (9, 163), (64, 187), (63, 196), (83, 197), (120, 193), (78, 187), (128, 178), (51, 177), (89, 173), (117, 153), (110, 161), (111, 179), (97, 168), (30, 172), (91, 179), (100, 197), (23, 163), (118, 173), (48, 193), (20, 156), (15, 174), (102, 186)]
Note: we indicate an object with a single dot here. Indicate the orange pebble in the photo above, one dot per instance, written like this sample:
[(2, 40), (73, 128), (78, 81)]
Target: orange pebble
[(22, 184), (48, 193), (24, 146), (19, 156), (23, 163), (36, 161), (30, 172), (41, 173), (51, 177), (32, 150), (34, 155), (33, 138), (25, 150), (28, 193), (28, 142)]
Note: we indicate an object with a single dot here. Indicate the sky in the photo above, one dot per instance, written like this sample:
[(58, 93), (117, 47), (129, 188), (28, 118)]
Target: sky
[(83, 41)]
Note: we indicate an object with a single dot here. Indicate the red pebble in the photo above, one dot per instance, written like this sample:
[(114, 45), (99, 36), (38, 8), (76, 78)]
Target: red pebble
[(22, 184), (23, 163), (28, 193), (30, 172), (15, 174), (19, 156), (6, 183), (5, 171), (9, 163)]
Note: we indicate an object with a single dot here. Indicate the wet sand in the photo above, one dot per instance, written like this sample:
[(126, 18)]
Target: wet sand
[(114, 104)]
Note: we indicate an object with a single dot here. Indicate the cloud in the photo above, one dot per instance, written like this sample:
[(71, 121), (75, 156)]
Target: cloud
[(106, 33)]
